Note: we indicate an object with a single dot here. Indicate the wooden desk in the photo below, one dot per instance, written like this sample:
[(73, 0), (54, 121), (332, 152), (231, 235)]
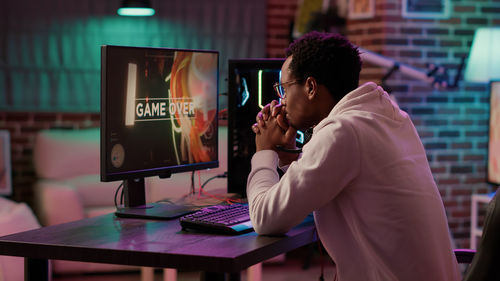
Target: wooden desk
[(152, 243)]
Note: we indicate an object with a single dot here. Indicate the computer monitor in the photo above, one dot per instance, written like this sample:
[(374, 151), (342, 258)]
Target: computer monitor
[(158, 116), (494, 134), (250, 88)]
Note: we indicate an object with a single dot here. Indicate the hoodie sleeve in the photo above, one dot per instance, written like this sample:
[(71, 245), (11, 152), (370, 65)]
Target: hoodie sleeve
[(330, 161)]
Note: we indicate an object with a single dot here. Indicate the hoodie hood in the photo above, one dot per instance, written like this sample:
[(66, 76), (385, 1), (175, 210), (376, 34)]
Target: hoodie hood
[(367, 99)]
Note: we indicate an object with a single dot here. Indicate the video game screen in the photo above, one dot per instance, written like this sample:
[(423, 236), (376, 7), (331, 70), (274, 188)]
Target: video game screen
[(158, 110)]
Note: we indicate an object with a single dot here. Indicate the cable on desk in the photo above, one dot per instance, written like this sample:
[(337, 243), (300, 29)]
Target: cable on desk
[(202, 190), (121, 195), (192, 191)]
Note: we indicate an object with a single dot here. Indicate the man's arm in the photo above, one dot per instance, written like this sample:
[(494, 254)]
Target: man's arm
[(328, 164)]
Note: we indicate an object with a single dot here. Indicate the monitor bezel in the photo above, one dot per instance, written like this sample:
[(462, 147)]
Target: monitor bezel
[(490, 91), (162, 172)]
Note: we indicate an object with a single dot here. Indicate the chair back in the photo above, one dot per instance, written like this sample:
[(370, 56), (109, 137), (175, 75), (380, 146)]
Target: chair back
[(485, 265)]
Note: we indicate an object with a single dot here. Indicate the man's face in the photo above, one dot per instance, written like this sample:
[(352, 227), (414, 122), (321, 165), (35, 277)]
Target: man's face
[(295, 101)]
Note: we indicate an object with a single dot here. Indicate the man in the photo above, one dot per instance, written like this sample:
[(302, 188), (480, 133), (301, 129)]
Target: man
[(364, 173)]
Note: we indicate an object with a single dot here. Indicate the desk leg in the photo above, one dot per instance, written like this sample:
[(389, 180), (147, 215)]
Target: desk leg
[(147, 273), (36, 269), (254, 272), (217, 276), (169, 274)]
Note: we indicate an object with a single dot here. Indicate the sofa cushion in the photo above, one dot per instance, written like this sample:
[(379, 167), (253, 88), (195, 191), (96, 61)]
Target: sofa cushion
[(62, 154), (93, 192), (57, 203)]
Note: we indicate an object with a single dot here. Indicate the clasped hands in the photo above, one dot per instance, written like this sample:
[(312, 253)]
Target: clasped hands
[(272, 130)]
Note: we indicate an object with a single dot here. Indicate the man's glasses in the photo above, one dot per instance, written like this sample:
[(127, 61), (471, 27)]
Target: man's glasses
[(280, 90)]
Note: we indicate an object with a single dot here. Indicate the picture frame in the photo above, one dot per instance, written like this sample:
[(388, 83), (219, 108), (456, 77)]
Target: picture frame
[(5, 164), (361, 9), (426, 9)]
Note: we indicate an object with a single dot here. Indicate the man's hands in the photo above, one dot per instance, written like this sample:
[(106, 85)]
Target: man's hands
[(275, 110), (272, 129)]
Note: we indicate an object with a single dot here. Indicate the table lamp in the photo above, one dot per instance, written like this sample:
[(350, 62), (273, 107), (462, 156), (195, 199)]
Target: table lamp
[(484, 59)]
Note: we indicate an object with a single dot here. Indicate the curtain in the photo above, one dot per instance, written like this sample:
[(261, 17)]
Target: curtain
[(50, 50)]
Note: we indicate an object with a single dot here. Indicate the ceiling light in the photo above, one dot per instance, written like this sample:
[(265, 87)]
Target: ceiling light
[(136, 8)]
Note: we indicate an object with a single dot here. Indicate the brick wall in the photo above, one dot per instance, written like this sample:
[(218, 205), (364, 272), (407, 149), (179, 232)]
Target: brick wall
[(280, 14), (452, 123)]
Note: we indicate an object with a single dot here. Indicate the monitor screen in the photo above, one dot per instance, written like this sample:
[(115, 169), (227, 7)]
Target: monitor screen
[(250, 88), (494, 134), (158, 111), (158, 116)]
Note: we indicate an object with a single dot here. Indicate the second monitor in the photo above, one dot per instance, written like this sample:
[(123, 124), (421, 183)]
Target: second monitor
[(250, 88)]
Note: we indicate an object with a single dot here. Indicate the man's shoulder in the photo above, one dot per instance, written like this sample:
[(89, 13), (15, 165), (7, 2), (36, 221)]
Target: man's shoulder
[(337, 126), (338, 121)]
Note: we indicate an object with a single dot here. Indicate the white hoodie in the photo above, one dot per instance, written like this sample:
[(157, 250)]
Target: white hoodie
[(365, 175)]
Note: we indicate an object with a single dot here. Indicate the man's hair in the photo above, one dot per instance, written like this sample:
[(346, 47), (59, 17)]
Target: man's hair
[(330, 58)]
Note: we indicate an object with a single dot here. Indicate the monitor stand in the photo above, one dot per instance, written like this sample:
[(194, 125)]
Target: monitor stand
[(136, 207)]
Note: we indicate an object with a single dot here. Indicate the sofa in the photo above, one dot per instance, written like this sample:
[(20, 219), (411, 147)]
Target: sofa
[(68, 187)]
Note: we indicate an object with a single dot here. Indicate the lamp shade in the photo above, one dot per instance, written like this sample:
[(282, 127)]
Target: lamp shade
[(136, 8), (484, 59)]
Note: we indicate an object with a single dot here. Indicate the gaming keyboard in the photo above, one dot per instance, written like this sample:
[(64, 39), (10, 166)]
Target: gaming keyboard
[(227, 219)]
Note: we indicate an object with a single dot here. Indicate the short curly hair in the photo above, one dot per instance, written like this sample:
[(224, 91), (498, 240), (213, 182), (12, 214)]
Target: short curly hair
[(330, 58)]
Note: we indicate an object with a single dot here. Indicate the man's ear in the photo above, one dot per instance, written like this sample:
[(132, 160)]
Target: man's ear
[(311, 87)]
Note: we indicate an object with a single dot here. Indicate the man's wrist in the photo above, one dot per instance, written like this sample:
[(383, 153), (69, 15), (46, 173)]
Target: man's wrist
[(264, 148), (259, 148)]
